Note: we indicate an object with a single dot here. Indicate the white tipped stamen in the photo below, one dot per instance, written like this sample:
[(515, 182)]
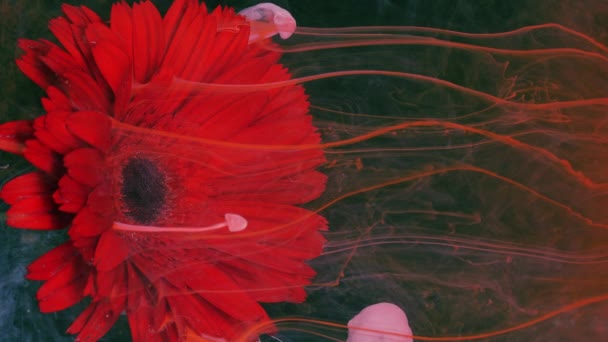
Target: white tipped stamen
[(277, 20), (234, 223)]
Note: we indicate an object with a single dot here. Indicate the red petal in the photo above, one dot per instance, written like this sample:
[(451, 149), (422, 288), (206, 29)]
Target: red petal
[(110, 284), (267, 285), (71, 195), (97, 319), (82, 319), (121, 24), (192, 311), (101, 201), (63, 31), (30, 64), (192, 32), (51, 262), (162, 317), (294, 189), (43, 158), (281, 132), (79, 16), (90, 15), (52, 138), (220, 120), (56, 125), (177, 15), (84, 92), (141, 305), (92, 127), (110, 252), (226, 52), (56, 100), (14, 134), (57, 60), (88, 224), (148, 40), (287, 103), (113, 62), (201, 37), (230, 45), (65, 297), (279, 164), (89, 288), (33, 184), (249, 71), (281, 242), (85, 165), (264, 256), (36, 213), (219, 290), (64, 288)]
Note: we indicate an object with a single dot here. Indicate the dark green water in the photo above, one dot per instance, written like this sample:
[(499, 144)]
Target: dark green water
[(19, 98)]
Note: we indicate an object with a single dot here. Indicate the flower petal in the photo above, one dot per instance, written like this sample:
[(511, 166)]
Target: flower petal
[(141, 304), (51, 262), (80, 15), (267, 285), (193, 31), (122, 25), (58, 140), (226, 50), (194, 312), (71, 195), (220, 120), (111, 250), (177, 15), (30, 64), (63, 31), (57, 60), (33, 184), (148, 40), (43, 158), (64, 288), (14, 134), (38, 212), (294, 235), (97, 319), (92, 127), (55, 124), (84, 92), (111, 283), (113, 62), (84, 165), (88, 224), (292, 189), (219, 290), (56, 100), (32, 206)]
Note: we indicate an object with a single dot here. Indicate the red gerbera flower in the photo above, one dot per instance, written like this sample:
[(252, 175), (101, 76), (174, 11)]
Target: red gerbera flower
[(180, 200)]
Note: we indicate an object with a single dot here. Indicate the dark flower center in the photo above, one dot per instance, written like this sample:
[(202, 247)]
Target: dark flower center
[(143, 190)]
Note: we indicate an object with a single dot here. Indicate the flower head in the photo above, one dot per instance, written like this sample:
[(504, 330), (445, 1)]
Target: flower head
[(180, 200)]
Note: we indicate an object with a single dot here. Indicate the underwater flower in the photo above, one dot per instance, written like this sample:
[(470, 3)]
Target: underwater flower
[(180, 200)]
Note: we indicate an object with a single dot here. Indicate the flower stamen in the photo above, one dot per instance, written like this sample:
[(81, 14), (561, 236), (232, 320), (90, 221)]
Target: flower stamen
[(267, 20), (234, 223)]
